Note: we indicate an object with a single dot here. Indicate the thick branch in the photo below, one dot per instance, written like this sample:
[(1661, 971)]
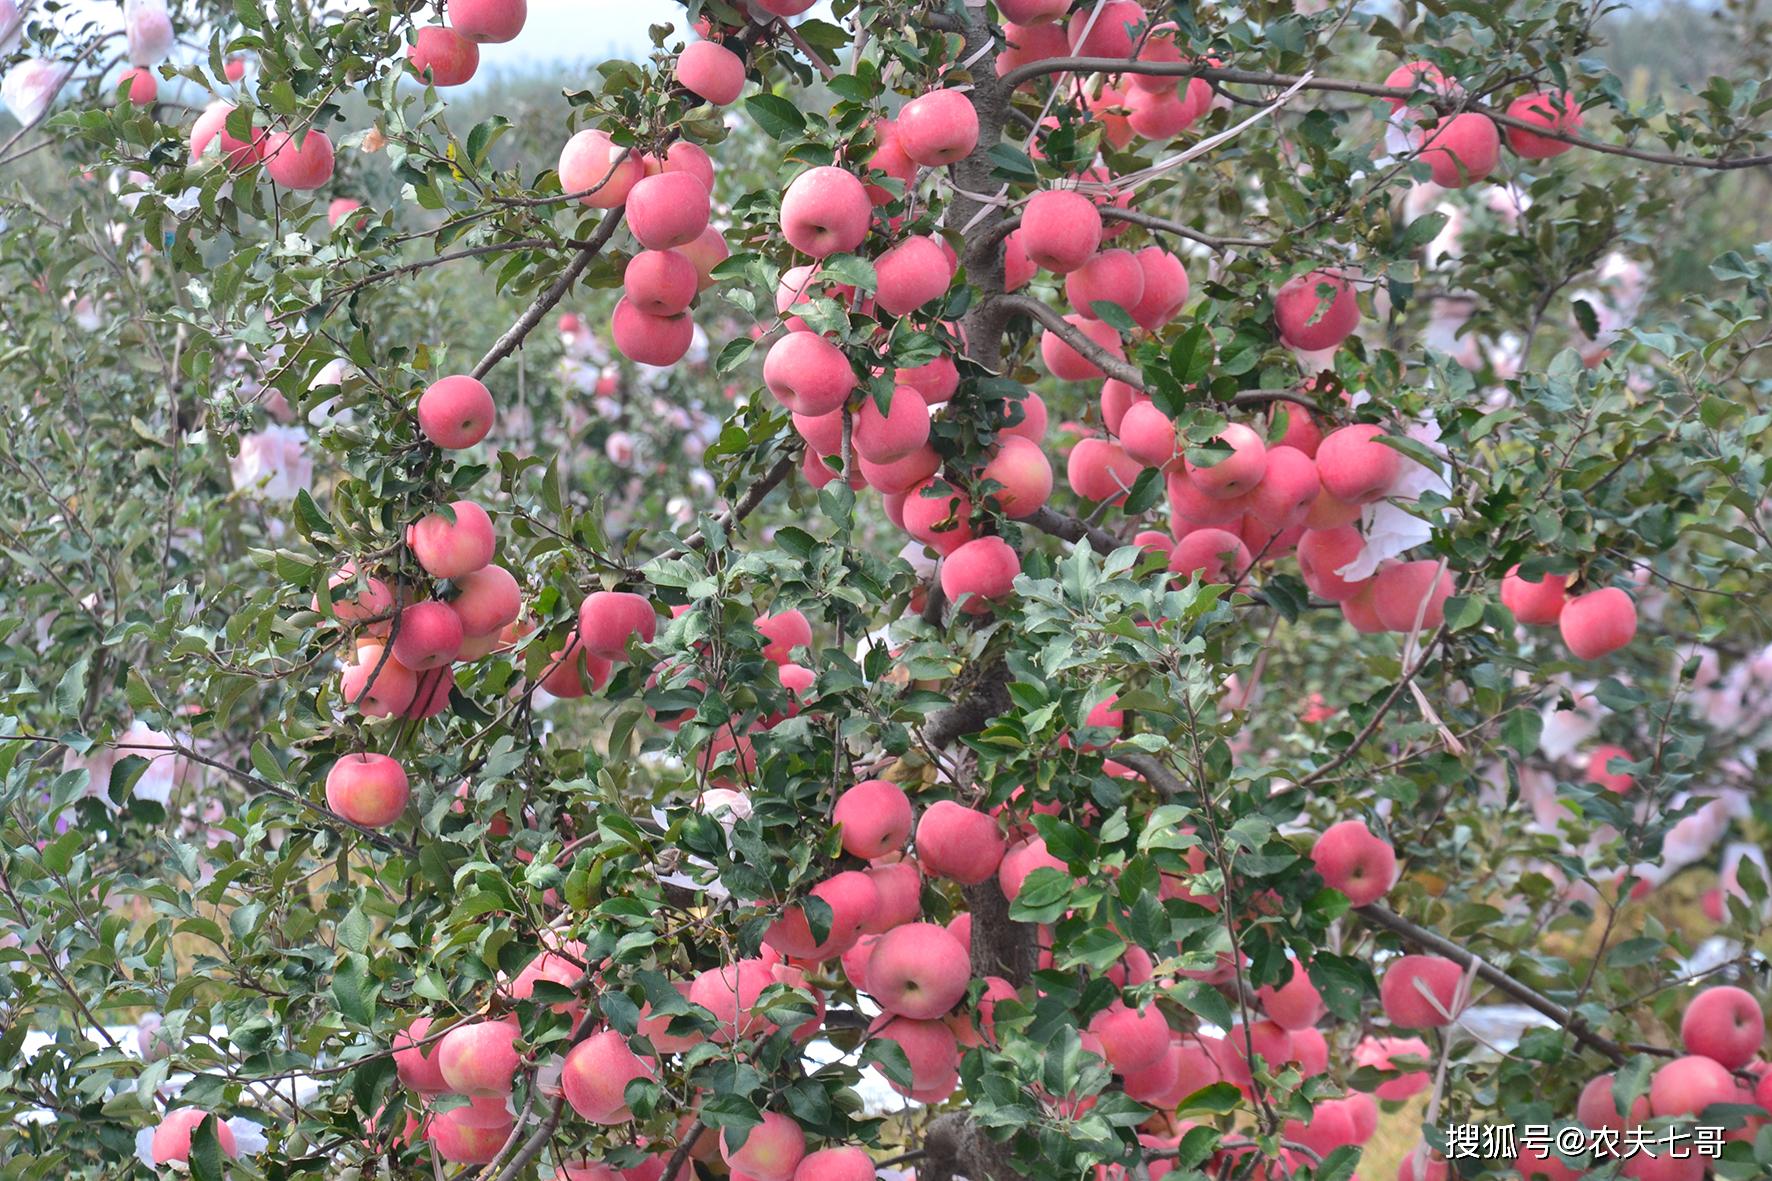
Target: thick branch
[(1115, 367), (518, 332), (1071, 529), (1165, 226)]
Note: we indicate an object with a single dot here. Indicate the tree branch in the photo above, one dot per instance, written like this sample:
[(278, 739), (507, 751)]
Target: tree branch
[(518, 332), (1115, 367)]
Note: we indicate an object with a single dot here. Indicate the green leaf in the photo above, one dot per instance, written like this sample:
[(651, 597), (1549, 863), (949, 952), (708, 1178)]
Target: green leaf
[(778, 117)]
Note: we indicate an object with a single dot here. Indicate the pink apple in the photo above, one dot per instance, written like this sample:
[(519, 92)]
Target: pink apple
[(711, 71), (784, 631), (980, 572), (1599, 769), (730, 993), (875, 817), (899, 888), (932, 1051), (443, 57), (1065, 362), (1105, 30), (1024, 476), (1407, 591), (1686, 1086), (1060, 230), (938, 128), (1165, 288), (415, 1059), (1355, 467), (825, 211), (487, 601), (1216, 555), (1020, 861), (900, 431), (367, 789), (1322, 552), (1109, 276), (488, 21), (609, 620), (1461, 150), (770, 1151), (1100, 470), (957, 842), (449, 549), (937, 515), (1295, 1004), (172, 1136), (836, 1164), (666, 210), (144, 86), (472, 1135), (918, 970), (661, 282), (596, 1075), (212, 127), (455, 412), (1132, 1040), (1598, 623), (594, 164), (1421, 991), (1352, 860), (1725, 1025), (808, 374), (376, 683), (911, 274), (1316, 311), (1540, 603), (853, 900), (479, 1057), (304, 165), (1550, 109)]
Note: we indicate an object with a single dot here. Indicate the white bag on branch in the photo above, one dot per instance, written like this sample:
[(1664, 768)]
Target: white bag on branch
[(31, 86), (148, 27)]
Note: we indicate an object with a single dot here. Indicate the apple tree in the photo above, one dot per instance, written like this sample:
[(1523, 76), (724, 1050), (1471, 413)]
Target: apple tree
[(1018, 590)]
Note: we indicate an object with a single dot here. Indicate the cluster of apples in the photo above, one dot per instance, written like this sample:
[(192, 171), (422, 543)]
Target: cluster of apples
[(1592, 625), (1464, 148), (1723, 1031)]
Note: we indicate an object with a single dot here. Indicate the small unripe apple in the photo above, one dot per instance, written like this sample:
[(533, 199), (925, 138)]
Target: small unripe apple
[(442, 56), (711, 71)]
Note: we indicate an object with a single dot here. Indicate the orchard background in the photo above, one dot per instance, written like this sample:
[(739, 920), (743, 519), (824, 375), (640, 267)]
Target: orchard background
[(1101, 734)]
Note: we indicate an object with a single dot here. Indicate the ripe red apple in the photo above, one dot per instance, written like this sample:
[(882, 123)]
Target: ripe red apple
[(936, 380), (938, 128), (1321, 552), (1289, 486), (1354, 466), (416, 1064), (1021, 468), (591, 160), (1148, 435), (730, 993), (1132, 1040), (889, 437), (488, 21), (711, 71), (771, 1151), (212, 127), (918, 970), (1109, 276), (666, 210), (932, 1051), (1725, 1025), (875, 817), (1599, 769), (1406, 591), (836, 1164), (1550, 109), (911, 274), (1100, 469), (1462, 150), (1033, 12), (455, 412), (661, 282), (596, 1075), (1165, 288), (852, 898), (172, 1137), (474, 1134), (1421, 991), (376, 686), (442, 56), (479, 1057), (808, 374), (1065, 362), (959, 843), (609, 620), (487, 601), (304, 165), (1021, 860), (449, 549), (1418, 75), (1105, 30), (367, 789), (784, 631), (1216, 555), (553, 968), (1060, 230), (427, 635), (1316, 311), (1540, 603), (1686, 1086), (144, 86), (1237, 473), (1598, 623), (1352, 860), (1295, 1004), (572, 672), (1018, 268), (982, 570), (1025, 43), (825, 211)]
